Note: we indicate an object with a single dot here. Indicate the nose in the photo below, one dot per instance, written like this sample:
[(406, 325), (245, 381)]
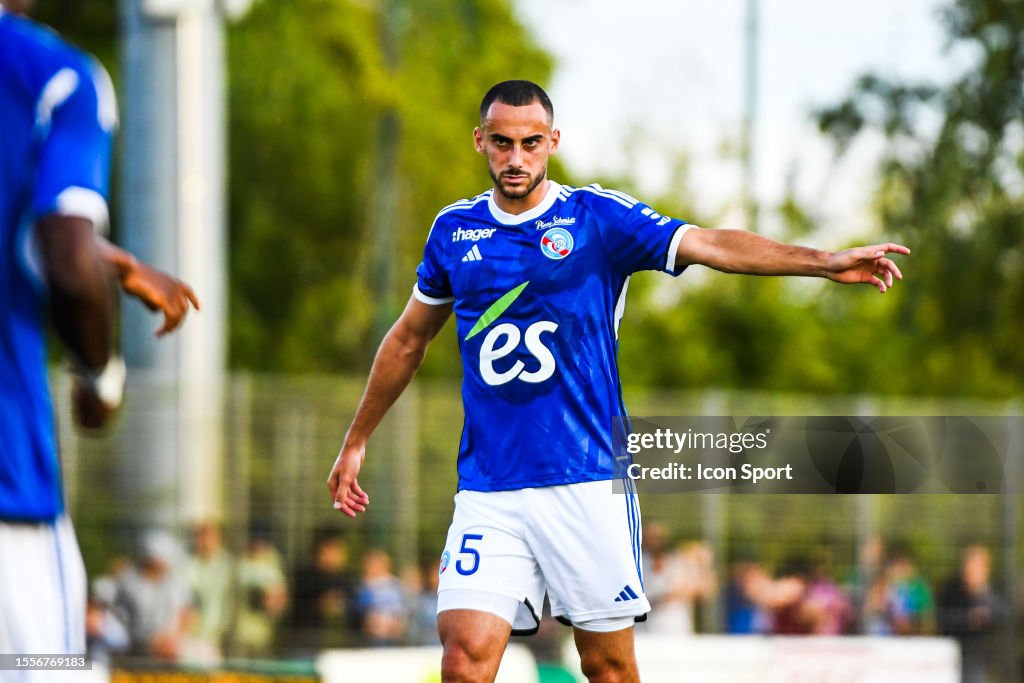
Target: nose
[(516, 159)]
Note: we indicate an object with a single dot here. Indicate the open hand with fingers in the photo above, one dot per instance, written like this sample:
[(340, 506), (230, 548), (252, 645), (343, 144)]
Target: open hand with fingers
[(159, 292), (345, 490), (868, 265)]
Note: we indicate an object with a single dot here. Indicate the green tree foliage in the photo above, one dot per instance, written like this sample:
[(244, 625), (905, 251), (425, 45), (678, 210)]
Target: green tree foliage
[(309, 83), (91, 25), (953, 191)]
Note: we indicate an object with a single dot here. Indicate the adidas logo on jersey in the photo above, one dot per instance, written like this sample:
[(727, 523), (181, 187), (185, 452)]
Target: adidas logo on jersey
[(627, 594), (473, 255), (461, 234)]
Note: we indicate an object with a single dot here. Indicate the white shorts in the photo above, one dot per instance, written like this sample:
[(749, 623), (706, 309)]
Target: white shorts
[(42, 602), (579, 543)]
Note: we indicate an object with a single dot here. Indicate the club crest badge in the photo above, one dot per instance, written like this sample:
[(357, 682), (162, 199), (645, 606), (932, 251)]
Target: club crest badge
[(446, 558), (556, 243)]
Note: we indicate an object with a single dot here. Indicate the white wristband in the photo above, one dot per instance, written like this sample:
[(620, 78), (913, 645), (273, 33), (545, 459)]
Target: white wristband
[(107, 384)]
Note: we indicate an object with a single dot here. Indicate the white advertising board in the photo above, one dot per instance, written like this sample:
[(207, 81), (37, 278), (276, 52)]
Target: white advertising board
[(737, 659), (413, 665)]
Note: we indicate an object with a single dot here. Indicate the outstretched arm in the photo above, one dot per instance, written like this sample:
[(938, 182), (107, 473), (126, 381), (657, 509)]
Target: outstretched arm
[(398, 358), (737, 251), (154, 288)]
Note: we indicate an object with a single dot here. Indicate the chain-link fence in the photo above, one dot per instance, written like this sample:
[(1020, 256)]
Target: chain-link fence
[(280, 435)]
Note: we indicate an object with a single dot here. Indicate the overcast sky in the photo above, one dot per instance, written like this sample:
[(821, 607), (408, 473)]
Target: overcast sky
[(638, 82)]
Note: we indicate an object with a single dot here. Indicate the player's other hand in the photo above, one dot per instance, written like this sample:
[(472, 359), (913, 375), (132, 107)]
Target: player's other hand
[(159, 292), (867, 265), (97, 394), (90, 411), (345, 490)]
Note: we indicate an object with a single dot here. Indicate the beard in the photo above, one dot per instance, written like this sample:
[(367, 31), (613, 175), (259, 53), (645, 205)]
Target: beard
[(509, 193)]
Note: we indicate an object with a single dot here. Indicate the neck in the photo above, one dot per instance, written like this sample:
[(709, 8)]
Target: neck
[(522, 204)]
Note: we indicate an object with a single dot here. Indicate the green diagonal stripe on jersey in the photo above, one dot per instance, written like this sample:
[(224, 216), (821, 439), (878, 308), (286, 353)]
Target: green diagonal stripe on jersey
[(496, 309)]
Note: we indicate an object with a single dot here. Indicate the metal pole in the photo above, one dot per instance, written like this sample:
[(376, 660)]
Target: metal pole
[(1011, 541), (149, 218), (715, 526), (867, 519), (172, 209), (750, 88), (201, 238)]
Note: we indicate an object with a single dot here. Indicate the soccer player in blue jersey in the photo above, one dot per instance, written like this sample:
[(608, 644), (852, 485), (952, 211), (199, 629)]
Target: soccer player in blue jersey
[(536, 274), (57, 114)]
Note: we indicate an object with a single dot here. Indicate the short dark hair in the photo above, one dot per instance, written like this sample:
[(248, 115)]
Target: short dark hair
[(517, 94)]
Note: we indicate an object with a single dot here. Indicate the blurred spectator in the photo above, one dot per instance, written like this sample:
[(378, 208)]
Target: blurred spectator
[(379, 601), (910, 606), (422, 605), (262, 597), (321, 614), (104, 631), (825, 609), (969, 611), (674, 582), (786, 598), (155, 602), (209, 573), (875, 608), (746, 599)]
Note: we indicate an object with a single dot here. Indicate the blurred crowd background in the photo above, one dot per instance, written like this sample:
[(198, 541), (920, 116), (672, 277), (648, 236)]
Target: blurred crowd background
[(280, 576), (199, 603)]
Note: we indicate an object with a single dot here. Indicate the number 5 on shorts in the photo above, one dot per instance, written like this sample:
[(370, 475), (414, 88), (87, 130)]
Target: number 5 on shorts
[(466, 550)]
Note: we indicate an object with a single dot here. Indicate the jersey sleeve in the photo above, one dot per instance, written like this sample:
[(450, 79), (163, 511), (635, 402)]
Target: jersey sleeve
[(432, 284), (76, 116), (637, 237)]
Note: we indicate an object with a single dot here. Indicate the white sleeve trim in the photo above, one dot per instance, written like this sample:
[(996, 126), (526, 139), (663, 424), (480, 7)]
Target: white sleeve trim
[(430, 300), (86, 203), (673, 247)]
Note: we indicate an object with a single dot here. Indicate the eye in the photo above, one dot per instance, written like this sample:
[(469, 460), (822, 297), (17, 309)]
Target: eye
[(531, 144)]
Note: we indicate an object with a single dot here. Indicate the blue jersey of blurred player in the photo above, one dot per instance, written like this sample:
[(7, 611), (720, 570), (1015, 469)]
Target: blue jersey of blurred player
[(56, 121), (536, 274)]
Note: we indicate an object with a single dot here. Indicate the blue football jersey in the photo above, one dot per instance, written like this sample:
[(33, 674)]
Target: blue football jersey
[(537, 299), (57, 114)]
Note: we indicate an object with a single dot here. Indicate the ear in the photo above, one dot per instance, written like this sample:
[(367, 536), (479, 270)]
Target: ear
[(556, 137), (478, 139)]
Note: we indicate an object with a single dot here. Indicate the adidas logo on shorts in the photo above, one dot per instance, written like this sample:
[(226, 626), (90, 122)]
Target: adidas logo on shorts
[(627, 594)]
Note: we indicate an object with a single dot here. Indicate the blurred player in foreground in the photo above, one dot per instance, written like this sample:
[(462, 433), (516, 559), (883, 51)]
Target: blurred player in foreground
[(56, 121), (536, 274)]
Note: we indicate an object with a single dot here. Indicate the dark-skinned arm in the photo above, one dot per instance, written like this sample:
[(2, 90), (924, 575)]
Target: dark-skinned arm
[(81, 301)]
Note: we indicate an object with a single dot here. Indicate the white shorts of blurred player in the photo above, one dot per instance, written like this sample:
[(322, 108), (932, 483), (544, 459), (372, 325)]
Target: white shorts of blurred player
[(42, 595), (579, 543)]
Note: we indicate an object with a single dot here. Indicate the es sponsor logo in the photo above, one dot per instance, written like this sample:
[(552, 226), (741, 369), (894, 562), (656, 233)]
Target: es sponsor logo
[(505, 338)]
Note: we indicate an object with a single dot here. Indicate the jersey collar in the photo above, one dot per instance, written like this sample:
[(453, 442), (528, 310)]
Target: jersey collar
[(537, 211)]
